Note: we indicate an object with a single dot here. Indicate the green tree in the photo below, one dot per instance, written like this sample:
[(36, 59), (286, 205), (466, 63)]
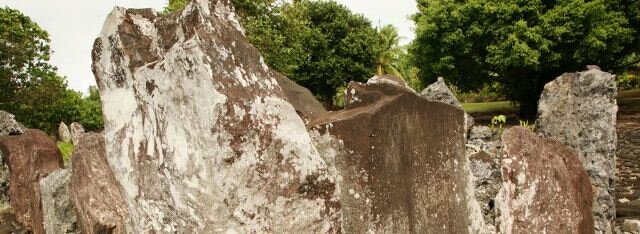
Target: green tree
[(91, 111), (520, 44), (24, 55), (341, 47), (390, 51), (29, 85)]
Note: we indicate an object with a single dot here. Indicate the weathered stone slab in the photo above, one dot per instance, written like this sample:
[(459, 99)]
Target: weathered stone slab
[(401, 162), (96, 195), (30, 157), (76, 130), (63, 132), (59, 215), (579, 109), (199, 133), (545, 188)]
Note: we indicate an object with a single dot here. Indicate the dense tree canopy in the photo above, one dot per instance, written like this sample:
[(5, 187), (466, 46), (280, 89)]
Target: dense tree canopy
[(522, 44), (30, 87)]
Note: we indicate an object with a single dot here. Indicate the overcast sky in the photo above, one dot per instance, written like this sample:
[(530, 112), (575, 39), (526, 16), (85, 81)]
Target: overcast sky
[(74, 24)]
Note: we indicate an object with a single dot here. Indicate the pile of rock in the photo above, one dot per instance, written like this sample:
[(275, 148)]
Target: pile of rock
[(202, 136)]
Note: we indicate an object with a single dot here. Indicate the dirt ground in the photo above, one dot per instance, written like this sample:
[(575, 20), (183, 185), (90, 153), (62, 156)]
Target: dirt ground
[(628, 159)]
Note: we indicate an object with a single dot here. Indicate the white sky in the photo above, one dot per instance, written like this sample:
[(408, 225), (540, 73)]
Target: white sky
[(74, 24)]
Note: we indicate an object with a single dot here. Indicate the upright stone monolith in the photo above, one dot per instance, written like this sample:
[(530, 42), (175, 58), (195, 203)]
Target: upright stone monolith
[(579, 109)]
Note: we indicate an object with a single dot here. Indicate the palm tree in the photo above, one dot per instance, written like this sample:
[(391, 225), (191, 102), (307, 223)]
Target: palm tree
[(390, 51)]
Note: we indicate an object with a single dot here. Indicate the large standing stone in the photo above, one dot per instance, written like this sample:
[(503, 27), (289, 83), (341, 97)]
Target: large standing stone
[(59, 215), (9, 126), (401, 162), (30, 157), (545, 188), (440, 92), (76, 131), (579, 109), (96, 195), (63, 132), (199, 133)]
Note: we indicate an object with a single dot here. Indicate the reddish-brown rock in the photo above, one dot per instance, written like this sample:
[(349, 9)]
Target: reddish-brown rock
[(200, 134), (545, 187), (95, 193), (306, 105), (400, 160), (30, 157)]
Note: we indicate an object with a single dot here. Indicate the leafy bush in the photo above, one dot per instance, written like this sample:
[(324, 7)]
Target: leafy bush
[(488, 93), (66, 149), (628, 81)]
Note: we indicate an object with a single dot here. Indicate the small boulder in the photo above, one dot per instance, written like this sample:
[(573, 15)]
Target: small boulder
[(440, 92), (63, 132), (31, 157), (76, 131), (96, 195), (9, 126), (58, 213), (580, 110), (544, 186)]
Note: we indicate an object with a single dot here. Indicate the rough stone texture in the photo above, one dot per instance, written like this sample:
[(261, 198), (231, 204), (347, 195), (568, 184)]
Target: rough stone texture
[(9, 126), (628, 173), (30, 157), (58, 213), (440, 92), (484, 150), (401, 162), (95, 193), (579, 109), (300, 98), (631, 226), (200, 135), (545, 188), (76, 130), (389, 79), (63, 132)]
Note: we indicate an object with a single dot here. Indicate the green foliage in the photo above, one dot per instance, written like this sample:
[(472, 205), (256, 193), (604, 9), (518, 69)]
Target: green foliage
[(338, 99), (330, 46), (66, 149), (520, 44), (390, 51), (488, 93), (29, 85), (527, 125), (497, 123), (24, 52), (489, 107), (174, 5)]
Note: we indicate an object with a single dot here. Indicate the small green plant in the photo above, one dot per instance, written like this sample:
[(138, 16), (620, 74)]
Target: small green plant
[(527, 125), (66, 149), (497, 123)]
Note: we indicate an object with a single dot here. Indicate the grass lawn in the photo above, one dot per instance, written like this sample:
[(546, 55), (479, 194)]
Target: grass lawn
[(487, 107)]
